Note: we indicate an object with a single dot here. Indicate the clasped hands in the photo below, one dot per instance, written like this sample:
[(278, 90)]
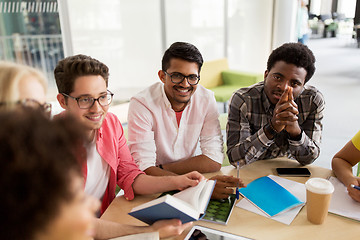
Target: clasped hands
[(285, 114)]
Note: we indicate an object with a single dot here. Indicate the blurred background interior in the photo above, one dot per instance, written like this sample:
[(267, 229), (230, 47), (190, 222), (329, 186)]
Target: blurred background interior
[(131, 36)]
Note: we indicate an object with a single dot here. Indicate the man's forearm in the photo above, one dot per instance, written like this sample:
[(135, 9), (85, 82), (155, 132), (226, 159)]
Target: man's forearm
[(251, 148), (157, 171), (305, 151), (201, 163)]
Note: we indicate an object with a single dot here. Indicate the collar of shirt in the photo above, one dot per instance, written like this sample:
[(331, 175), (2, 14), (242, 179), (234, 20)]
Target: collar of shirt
[(268, 107), (167, 102)]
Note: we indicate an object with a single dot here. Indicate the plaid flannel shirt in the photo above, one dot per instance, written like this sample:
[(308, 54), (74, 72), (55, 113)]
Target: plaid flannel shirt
[(249, 112)]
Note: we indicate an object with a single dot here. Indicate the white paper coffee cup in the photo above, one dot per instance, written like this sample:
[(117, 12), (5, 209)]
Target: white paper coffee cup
[(318, 197)]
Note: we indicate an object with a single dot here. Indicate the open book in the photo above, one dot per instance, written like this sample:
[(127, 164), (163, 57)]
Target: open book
[(187, 205), (270, 197)]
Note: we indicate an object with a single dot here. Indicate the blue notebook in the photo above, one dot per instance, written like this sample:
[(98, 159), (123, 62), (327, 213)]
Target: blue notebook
[(269, 196)]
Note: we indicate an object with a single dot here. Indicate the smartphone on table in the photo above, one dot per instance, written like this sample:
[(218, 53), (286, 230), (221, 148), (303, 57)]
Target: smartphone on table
[(293, 172)]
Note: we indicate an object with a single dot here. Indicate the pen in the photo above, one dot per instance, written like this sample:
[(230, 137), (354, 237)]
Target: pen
[(356, 187), (237, 186)]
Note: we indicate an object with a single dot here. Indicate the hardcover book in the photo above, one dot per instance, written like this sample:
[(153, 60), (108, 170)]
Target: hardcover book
[(187, 205)]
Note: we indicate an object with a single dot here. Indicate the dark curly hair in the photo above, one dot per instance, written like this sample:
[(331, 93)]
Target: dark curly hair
[(70, 68), (38, 160), (184, 51), (294, 53)]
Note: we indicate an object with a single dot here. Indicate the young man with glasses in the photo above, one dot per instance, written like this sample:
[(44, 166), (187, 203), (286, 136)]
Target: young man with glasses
[(168, 119), (82, 83), (280, 116)]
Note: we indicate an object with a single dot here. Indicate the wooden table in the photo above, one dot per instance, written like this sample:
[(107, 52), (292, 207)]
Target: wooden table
[(252, 225)]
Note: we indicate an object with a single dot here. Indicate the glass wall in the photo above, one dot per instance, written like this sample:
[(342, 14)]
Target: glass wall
[(200, 22), (125, 35), (30, 34), (131, 36), (250, 34)]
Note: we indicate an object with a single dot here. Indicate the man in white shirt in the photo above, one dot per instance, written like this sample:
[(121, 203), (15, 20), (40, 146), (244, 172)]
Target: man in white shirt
[(168, 119)]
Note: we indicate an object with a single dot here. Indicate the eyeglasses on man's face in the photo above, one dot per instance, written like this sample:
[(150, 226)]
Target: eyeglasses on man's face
[(86, 102), (178, 78), (32, 103)]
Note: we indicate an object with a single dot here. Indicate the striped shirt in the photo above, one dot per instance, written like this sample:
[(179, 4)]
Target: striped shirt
[(250, 110)]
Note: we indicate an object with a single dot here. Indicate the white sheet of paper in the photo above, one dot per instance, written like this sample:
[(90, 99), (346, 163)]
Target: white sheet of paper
[(341, 203), (143, 236), (297, 189)]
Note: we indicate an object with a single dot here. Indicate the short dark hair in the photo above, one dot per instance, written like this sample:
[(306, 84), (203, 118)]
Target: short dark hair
[(39, 158), (70, 68), (184, 51), (294, 53)]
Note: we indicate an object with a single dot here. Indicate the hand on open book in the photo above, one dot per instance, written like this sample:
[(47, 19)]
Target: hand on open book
[(225, 185), (190, 179), (169, 228)]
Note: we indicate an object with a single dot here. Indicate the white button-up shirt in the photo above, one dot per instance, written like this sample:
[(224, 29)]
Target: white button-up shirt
[(155, 137)]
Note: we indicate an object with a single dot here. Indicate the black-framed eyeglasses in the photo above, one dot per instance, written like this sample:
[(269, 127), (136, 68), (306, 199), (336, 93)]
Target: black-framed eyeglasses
[(178, 78), (86, 102), (32, 103)]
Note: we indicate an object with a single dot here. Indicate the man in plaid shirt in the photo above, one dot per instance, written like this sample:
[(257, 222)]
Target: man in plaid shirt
[(279, 116)]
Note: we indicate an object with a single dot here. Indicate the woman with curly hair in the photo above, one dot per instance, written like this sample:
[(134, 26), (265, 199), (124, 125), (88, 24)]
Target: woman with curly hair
[(41, 185)]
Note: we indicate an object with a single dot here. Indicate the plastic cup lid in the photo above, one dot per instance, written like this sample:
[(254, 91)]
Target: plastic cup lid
[(319, 185)]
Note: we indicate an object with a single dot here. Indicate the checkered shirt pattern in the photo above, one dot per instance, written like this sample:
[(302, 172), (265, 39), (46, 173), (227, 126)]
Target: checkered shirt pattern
[(249, 112)]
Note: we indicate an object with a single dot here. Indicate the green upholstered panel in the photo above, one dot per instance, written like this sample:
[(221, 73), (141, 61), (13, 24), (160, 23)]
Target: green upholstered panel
[(233, 77), (233, 80), (224, 92)]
